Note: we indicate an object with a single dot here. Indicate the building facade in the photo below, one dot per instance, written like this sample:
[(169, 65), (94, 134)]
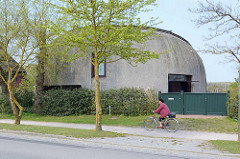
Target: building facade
[(181, 68)]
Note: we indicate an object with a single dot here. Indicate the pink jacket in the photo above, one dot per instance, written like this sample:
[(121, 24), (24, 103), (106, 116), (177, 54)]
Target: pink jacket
[(163, 110)]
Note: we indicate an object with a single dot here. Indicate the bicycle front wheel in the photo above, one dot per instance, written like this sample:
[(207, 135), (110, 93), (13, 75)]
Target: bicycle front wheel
[(150, 124), (171, 125)]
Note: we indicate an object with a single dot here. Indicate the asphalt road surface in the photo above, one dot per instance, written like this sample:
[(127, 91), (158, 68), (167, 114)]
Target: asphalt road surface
[(141, 144), (17, 148)]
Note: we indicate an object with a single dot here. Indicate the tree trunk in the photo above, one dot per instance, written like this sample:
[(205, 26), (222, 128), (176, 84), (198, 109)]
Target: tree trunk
[(16, 107), (97, 99), (40, 69), (17, 120), (39, 90), (239, 105)]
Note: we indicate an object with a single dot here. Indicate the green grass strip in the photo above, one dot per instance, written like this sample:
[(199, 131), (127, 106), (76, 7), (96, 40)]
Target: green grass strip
[(229, 146), (76, 133), (225, 125)]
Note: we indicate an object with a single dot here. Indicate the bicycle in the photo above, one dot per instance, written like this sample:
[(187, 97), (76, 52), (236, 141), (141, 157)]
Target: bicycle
[(170, 124)]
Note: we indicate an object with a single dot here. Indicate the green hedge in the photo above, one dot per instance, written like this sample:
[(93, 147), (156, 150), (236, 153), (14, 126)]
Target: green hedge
[(60, 102), (232, 104), (127, 101), (233, 110), (4, 104), (24, 97)]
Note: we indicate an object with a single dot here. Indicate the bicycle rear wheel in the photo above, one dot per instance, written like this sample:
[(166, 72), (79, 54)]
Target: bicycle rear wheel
[(150, 124), (171, 125)]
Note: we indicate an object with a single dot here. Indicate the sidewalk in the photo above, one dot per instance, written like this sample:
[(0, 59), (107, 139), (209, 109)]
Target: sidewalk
[(183, 143)]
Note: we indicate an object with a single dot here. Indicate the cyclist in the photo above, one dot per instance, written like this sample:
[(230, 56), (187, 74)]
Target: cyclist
[(163, 110)]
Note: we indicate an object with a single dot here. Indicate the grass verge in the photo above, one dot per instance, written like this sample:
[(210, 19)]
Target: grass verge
[(76, 133), (225, 125), (230, 146)]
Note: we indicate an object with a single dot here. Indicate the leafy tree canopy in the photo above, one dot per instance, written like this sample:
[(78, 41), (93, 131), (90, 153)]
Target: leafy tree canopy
[(108, 27)]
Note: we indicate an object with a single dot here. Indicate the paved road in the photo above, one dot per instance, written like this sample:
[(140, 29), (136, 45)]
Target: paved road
[(12, 148), (183, 144), (28, 146)]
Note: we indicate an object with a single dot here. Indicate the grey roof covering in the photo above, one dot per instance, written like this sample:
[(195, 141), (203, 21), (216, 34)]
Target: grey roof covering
[(170, 32), (12, 63)]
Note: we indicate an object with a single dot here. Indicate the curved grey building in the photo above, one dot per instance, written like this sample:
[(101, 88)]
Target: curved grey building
[(179, 69)]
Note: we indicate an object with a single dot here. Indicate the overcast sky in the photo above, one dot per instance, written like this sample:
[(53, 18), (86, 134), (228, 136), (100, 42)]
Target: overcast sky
[(177, 18)]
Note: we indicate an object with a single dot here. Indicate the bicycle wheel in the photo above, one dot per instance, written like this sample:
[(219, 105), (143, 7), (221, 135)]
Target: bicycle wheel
[(171, 125), (150, 124)]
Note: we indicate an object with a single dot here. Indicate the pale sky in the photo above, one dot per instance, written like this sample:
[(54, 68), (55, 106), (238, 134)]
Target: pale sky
[(177, 18)]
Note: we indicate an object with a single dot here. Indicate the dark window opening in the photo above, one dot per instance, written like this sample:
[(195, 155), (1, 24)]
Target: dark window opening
[(66, 87), (178, 83)]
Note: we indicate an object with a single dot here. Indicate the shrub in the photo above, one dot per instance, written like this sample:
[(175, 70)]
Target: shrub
[(232, 104), (60, 102), (24, 97), (233, 110), (126, 101), (4, 104)]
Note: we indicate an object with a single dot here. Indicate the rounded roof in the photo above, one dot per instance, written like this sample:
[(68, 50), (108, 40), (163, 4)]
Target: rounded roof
[(176, 57), (170, 32)]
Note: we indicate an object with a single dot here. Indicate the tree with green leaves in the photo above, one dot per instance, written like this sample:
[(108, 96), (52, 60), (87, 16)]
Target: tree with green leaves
[(105, 31), (18, 46), (225, 20), (43, 14)]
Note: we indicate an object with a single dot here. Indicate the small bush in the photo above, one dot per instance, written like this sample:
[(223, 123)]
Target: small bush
[(24, 97), (4, 104), (232, 104), (233, 110)]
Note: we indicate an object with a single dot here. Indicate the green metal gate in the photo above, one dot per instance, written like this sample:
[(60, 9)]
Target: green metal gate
[(174, 101), (196, 103)]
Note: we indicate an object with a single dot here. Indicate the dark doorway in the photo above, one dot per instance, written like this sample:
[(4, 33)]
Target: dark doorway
[(179, 82)]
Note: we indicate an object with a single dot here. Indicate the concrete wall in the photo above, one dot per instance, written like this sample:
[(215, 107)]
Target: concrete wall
[(182, 59)]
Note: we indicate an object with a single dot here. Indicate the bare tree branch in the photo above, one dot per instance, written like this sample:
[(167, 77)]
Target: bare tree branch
[(226, 21)]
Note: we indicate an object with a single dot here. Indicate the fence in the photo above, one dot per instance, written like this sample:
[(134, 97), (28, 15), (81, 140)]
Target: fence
[(196, 103)]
